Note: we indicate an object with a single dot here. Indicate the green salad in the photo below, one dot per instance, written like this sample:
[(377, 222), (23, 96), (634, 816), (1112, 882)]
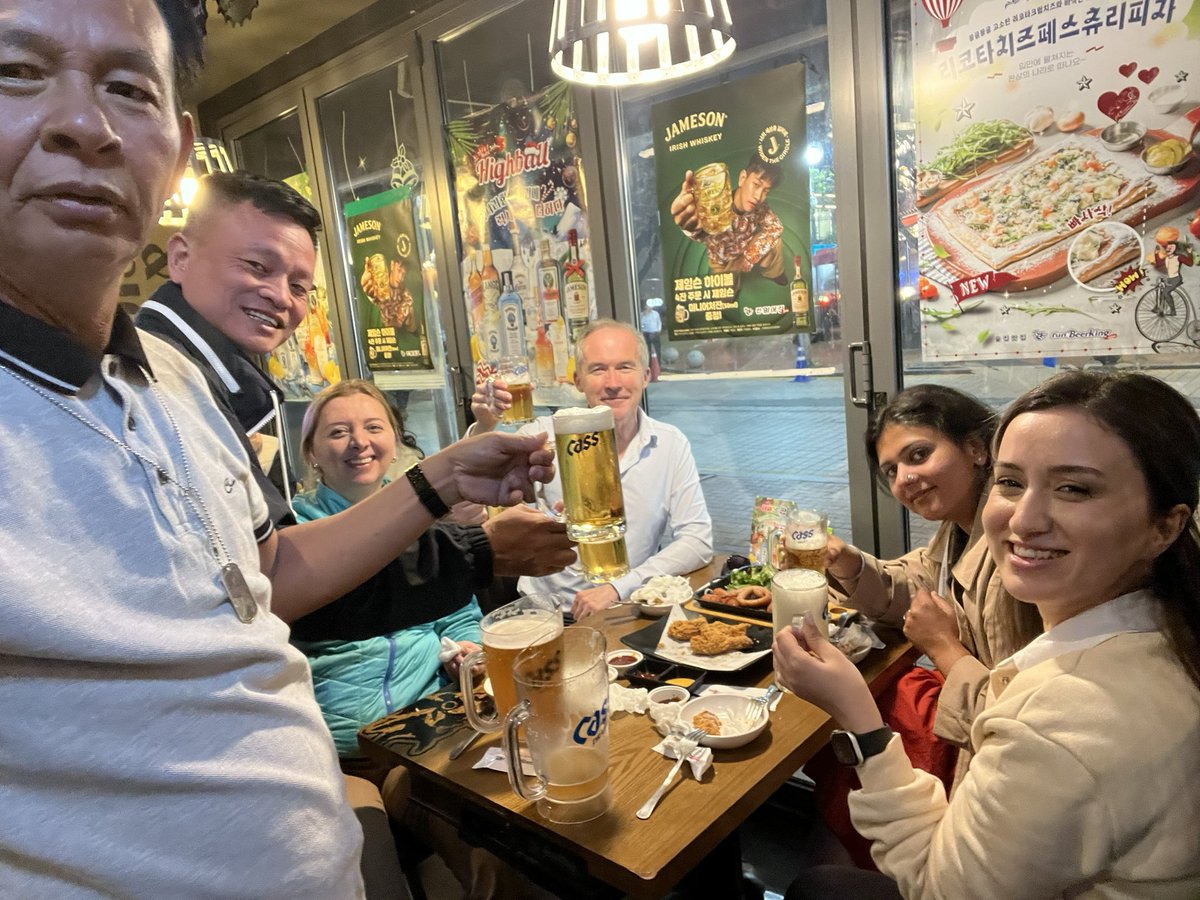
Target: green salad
[(978, 144), (754, 575)]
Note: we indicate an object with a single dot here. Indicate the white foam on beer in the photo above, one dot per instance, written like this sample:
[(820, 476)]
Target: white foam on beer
[(517, 632), (577, 419), (799, 579)]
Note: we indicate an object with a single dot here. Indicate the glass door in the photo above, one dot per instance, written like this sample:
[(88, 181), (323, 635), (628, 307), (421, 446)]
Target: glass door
[(767, 414), (367, 126)]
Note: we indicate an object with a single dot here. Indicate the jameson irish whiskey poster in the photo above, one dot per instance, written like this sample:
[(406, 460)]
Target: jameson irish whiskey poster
[(389, 292), (734, 207)]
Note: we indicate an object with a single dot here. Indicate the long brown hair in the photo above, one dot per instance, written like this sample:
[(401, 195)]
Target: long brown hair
[(1162, 431)]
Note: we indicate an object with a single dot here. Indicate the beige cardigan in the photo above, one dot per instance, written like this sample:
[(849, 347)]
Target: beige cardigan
[(884, 590), (1085, 784)]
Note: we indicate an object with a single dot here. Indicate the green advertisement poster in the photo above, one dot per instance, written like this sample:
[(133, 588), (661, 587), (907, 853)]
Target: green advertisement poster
[(733, 205), (389, 293)]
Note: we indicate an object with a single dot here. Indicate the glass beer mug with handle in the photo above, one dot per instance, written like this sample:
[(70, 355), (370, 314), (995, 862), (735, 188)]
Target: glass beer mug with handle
[(803, 542), (562, 705), (593, 504), (535, 620)]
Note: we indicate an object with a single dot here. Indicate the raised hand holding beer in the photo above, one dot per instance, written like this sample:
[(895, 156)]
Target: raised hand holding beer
[(683, 207), (488, 403)]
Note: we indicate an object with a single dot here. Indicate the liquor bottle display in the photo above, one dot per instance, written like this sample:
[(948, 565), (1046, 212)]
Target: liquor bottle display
[(802, 310), (575, 288), (548, 281), (543, 354), (490, 288), (512, 319), (475, 293)]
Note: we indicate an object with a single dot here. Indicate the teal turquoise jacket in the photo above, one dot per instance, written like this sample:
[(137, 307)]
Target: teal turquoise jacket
[(360, 680)]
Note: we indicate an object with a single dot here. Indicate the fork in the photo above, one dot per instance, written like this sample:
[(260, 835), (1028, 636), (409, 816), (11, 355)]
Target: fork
[(763, 702), (692, 738)]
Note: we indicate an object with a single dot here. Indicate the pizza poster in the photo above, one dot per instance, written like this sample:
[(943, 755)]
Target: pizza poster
[(521, 207), (387, 276), (733, 204), (1056, 186)]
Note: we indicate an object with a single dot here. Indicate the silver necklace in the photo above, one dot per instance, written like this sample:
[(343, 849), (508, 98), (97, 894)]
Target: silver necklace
[(232, 579)]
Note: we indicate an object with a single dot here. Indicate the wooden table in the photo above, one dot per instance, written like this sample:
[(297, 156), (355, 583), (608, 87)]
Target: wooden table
[(640, 858)]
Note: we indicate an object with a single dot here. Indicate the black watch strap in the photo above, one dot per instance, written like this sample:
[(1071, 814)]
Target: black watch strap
[(425, 493), (852, 749)]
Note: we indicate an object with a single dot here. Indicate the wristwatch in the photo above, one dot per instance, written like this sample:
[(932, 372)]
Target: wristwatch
[(851, 749)]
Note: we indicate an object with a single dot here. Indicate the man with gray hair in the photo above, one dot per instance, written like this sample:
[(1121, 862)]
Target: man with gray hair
[(668, 528)]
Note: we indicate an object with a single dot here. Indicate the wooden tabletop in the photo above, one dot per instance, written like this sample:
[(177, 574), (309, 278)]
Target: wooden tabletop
[(641, 858)]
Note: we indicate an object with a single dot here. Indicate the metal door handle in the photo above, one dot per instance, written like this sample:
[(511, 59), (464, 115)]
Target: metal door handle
[(853, 351)]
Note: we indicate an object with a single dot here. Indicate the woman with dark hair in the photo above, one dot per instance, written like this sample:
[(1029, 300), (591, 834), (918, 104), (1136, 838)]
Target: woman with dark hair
[(1090, 521), (930, 446)]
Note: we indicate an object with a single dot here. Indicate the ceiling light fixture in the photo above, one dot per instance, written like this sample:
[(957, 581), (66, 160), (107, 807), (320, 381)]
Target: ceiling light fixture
[(208, 156), (621, 42)]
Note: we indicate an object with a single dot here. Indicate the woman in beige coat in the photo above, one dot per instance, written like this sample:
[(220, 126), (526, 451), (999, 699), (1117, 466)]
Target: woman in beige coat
[(930, 447)]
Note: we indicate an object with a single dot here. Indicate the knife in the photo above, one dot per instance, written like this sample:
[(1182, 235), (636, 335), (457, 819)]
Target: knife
[(465, 745)]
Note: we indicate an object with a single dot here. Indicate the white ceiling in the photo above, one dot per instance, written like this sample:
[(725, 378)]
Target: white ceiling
[(276, 28)]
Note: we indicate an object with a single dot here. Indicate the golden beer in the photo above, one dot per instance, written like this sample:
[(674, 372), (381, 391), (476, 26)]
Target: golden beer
[(522, 404), (602, 561), (503, 640), (576, 784), (714, 201), (591, 478), (804, 557)]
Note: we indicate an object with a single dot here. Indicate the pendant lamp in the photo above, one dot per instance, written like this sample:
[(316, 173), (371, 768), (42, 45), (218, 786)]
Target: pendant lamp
[(623, 42)]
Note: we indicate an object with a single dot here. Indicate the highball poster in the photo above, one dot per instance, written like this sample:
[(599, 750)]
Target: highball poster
[(1056, 184), (519, 185), (737, 151), (390, 295)]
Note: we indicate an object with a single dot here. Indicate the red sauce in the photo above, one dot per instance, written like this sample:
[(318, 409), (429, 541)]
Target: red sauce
[(623, 659)]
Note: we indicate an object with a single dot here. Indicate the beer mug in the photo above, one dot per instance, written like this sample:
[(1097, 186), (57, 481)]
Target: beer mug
[(804, 538), (714, 200), (562, 704), (593, 504), (795, 592), (505, 632), (514, 372)]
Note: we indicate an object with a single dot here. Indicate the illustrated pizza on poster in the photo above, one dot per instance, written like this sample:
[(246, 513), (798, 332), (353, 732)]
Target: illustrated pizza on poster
[(1056, 184)]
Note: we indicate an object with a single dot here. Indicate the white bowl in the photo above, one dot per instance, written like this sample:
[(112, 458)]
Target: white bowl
[(632, 658), (669, 693), (612, 673), (655, 609), (741, 720), (1166, 98)]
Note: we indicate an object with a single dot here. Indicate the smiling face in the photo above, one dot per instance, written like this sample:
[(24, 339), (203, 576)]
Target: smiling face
[(247, 273), (1068, 519), (353, 445), (91, 144), (930, 474), (609, 372)]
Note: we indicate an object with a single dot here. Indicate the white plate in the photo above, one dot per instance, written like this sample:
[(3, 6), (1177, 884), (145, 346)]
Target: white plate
[(741, 720)]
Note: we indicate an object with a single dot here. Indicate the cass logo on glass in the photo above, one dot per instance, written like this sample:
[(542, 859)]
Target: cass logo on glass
[(582, 442), (589, 728)]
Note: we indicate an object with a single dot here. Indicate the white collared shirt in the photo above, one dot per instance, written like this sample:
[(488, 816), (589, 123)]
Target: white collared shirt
[(668, 529), (1132, 612)]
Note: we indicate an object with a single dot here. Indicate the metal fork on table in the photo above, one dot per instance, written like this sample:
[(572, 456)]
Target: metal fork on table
[(692, 738), (763, 702)]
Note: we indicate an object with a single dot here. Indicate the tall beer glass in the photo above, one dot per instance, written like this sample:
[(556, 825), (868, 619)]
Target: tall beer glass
[(714, 200), (530, 621), (594, 506), (514, 372)]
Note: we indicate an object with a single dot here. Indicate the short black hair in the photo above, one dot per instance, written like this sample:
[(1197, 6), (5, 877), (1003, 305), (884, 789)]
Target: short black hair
[(275, 198), (187, 44), (771, 172)]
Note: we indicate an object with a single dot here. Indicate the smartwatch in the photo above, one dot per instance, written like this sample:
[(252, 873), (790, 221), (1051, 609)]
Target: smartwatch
[(852, 749)]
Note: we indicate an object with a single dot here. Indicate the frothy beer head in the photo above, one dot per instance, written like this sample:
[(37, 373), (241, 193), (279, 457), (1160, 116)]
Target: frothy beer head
[(518, 632), (576, 420), (799, 579)]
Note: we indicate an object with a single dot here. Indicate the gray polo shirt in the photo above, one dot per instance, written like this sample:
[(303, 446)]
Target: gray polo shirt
[(151, 744)]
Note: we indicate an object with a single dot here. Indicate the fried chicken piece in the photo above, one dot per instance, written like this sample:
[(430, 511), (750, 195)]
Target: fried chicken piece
[(707, 721), (716, 638), (682, 631)]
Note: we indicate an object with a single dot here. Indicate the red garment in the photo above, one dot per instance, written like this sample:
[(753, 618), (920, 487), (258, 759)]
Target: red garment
[(908, 707)]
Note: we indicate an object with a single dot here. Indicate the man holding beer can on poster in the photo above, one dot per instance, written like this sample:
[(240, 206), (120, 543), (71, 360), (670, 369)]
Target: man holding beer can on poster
[(667, 527)]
